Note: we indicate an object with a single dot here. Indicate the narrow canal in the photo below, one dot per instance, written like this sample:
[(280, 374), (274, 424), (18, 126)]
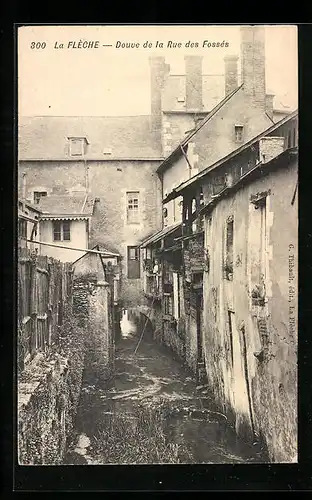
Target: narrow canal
[(151, 412)]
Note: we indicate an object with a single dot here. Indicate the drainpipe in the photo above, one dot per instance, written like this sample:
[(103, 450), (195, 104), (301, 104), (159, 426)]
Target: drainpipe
[(24, 185), (188, 162), (86, 184)]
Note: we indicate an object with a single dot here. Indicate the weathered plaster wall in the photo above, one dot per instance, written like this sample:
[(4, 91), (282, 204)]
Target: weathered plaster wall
[(109, 181), (78, 239), (251, 350), (216, 138)]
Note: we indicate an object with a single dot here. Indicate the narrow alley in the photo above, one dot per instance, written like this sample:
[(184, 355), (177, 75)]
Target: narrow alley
[(151, 412)]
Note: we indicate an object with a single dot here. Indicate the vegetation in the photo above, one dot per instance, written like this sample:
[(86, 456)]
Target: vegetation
[(139, 438)]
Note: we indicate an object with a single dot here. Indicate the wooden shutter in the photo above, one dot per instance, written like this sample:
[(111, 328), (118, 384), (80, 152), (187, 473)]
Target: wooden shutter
[(133, 263)]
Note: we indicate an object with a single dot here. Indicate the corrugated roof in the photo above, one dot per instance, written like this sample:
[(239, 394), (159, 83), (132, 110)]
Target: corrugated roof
[(46, 137), (71, 204)]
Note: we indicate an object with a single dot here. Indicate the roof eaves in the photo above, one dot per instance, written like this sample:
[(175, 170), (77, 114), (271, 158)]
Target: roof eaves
[(163, 165), (30, 205), (175, 192), (50, 216), (160, 234), (259, 166)]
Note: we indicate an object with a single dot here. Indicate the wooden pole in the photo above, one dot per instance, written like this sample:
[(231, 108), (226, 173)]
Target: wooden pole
[(87, 250)]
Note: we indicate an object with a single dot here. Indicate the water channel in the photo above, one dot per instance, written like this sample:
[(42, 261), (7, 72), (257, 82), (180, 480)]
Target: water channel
[(151, 412)]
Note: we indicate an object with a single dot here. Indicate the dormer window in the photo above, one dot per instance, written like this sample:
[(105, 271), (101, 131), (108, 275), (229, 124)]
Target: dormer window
[(77, 146), (38, 195)]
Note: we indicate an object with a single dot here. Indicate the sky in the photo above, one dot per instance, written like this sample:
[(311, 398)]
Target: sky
[(112, 81)]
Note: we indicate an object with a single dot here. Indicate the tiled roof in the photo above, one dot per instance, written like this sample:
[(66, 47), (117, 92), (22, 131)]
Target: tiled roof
[(46, 137), (70, 205)]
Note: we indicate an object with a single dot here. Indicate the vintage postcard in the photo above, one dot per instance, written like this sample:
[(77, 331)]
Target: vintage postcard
[(157, 244)]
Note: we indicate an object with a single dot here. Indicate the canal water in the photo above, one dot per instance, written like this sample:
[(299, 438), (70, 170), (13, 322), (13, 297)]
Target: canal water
[(151, 412)]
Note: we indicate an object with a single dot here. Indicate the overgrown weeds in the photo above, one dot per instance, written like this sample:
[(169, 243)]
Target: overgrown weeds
[(139, 438)]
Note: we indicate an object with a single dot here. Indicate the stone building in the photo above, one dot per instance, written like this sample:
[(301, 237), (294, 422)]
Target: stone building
[(130, 163), (112, 158), (238, 256), (242, 110)]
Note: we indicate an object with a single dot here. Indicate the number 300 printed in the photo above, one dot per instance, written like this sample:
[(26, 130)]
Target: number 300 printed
[(38, 45)]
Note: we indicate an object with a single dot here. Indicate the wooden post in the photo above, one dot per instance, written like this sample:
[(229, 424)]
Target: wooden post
[(33, 305)]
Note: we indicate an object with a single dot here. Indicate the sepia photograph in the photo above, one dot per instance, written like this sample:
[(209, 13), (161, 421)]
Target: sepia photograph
[(157, 273)]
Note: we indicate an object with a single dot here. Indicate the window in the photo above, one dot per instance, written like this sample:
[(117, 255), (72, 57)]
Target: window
[(133, 263), (38, 195), (263, 238), (22, 228), (229, 251), (77, 146), (148, 253), (239, 133), (61, 230), (231, 326), (133, 208), (259, 274)]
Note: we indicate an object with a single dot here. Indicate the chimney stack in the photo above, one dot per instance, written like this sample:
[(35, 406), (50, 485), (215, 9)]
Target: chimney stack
[(253, 62), (231, 74), (194, 83), (159, 71)]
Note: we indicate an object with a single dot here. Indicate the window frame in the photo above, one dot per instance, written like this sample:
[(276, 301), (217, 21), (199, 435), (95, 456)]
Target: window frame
[(42, 194), (239, 128), (133, 213), (61, 232), (229, 249), (78, 140), (258, 294)]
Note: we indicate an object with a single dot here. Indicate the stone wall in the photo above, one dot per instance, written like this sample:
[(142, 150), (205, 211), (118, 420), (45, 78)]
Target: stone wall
[(251, 344), (49, 386), (48, 395), (92, 306)]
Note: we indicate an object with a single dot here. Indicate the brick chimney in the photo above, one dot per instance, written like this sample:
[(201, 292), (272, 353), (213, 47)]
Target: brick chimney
[(159, 71), (231, 74), (253, 62), (193, 83)]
